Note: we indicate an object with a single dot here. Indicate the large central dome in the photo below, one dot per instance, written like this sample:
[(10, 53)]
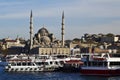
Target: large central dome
[(43, 32), (43, 37)]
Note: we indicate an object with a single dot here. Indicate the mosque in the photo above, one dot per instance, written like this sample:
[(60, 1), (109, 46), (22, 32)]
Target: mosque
[(45, 43)]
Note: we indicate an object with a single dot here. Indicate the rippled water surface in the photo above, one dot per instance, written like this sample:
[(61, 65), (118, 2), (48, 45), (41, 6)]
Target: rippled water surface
[(50, 76)]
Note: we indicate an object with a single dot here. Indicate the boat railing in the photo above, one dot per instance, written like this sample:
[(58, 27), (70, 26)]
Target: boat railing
[(19, 60)]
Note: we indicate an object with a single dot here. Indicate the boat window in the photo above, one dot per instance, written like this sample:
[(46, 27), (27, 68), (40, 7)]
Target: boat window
[(39, 63), (56, 62), (29, 64), (21, 68), (12, 69), (30, 68), (24, 64), (46, 63), (105, 64), (18, 64), (105, 55), (33, 64), (35, 69), (86, 57), (115, 55), (78, 56), (16, 69), (95, 63), (85, 63), (114, 63), (13, 64), (89, 63), (50, 62), (9, 66), (100, 63), (61, 62)]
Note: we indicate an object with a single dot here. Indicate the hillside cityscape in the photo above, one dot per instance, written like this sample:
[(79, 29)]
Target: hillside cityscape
[(59, 39), (45, 43)]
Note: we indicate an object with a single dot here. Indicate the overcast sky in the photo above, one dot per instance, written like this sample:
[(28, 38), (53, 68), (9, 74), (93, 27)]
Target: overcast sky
[(81, 16)]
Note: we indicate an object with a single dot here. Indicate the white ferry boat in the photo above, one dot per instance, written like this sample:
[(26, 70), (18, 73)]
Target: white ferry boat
[(34, 63), (100, 64)]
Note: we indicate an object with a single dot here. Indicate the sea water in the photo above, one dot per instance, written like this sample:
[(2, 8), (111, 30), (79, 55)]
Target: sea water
[(50, 76)]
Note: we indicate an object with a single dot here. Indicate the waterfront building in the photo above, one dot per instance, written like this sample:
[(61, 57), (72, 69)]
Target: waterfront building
[(12, 46), (12, 42), (109, 39)]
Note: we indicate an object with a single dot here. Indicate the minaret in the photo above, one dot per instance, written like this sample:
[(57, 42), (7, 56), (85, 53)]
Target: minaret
[(31, 30), (62, 33)]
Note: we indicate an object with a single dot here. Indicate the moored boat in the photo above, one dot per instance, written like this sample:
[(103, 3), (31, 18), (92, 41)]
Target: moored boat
[(71, 66), (40, 63), (100, 64)]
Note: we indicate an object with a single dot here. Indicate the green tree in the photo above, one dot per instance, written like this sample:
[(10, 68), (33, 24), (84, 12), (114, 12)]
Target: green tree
[(110, 35)]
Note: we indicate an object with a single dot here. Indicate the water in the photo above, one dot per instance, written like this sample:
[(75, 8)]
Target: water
[(50, 76)]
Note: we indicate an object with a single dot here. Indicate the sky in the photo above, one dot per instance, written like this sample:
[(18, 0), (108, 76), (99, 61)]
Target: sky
[(81, 16)]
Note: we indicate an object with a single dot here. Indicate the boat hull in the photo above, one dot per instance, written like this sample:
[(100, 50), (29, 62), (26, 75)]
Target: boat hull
[(100, 72)]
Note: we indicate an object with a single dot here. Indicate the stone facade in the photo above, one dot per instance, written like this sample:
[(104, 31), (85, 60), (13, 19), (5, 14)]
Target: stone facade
[(43, 38), (54, 51), (46, 44)]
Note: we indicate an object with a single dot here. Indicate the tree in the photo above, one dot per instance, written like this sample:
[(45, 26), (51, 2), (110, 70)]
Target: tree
[(110, 35), (76, 40)]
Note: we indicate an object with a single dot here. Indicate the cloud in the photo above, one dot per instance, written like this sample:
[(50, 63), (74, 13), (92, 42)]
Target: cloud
[(7, 3), (94, 8), (78, 8), (105, 1), (13, 16)]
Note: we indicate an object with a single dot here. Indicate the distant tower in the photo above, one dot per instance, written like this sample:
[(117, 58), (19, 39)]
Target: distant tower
[(62, 33), (31, 30)]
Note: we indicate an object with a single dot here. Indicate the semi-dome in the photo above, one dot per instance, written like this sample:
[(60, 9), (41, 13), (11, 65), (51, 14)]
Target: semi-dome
[(45, 40)]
